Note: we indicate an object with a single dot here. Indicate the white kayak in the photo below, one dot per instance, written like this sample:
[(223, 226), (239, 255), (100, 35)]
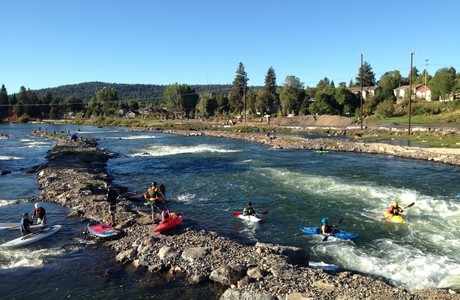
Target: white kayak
[(32, 237), (5, 226), (252, 218)]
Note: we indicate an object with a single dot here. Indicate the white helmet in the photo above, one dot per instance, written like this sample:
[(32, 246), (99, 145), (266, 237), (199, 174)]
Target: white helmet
[(37, 205)]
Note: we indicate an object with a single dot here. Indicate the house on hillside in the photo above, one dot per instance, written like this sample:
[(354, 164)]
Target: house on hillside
[(423, 92), (178, 113), (419, 91), (367, 92)]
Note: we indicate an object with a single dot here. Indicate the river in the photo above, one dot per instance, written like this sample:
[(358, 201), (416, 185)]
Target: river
[(207, 179)]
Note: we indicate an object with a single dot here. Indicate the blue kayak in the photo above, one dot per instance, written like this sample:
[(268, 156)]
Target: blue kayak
[(340, 234)]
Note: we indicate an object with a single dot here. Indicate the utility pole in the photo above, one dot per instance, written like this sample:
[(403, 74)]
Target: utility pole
[(410, 88), (361, 89), (426, 66), (244, 104)]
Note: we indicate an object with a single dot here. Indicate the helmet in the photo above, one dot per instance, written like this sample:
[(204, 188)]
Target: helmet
[(37, 205), (324, 220), (395, 203), (154, 183), (249, 203)]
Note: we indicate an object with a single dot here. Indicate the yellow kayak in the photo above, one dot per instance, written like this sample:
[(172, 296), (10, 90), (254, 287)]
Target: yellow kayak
[(393, 218)]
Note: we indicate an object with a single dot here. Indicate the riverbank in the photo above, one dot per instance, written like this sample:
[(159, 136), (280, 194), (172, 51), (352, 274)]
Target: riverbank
[(277, 141), (75, 177)]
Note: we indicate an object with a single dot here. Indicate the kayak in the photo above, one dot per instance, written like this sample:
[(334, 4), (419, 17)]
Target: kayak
[(393, 218), (101, 230), (169, 223), (253, 218), (5, 226), (321, 152), (32, 237), (340, 234)]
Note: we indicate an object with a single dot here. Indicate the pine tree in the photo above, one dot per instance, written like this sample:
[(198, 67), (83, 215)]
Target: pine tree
[(3, 103), (240, 86), (368, 77)]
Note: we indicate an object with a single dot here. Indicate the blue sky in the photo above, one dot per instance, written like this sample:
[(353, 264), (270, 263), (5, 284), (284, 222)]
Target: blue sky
[(49, 43)]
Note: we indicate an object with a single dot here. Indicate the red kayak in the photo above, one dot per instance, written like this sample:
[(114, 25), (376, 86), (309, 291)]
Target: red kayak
[(169, 223)]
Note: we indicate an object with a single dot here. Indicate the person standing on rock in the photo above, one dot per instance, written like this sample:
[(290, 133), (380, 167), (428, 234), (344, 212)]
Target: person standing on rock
[(40, 214), (155, 198), (112, 197)]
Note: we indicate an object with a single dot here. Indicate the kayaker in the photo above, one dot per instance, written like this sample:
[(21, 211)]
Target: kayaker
[(155, 199), (25, 224), (394, 209), (249, 210), (153, 193), (40, 214), (112, 197), (326, 228)]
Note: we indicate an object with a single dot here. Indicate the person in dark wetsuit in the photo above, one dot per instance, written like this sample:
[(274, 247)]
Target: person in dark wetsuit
[(25, 224), (112, 197), (249, 210)]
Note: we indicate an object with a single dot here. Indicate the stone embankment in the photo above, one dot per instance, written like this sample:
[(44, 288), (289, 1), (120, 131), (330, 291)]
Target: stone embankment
[(75, 177)]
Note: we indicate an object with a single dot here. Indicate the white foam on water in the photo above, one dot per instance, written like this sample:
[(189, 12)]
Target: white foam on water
[(422, 253), (171, 150), (405, 265), (22, 257), (134, 137), (7, 157), (7, 202), (186, 198), (35, 144)]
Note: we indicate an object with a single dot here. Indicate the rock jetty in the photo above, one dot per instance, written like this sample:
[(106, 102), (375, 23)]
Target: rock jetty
[(75, 176)]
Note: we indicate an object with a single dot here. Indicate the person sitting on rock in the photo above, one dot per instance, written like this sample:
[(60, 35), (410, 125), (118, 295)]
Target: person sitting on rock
[(249, 210), (40, 214), (25, 224)]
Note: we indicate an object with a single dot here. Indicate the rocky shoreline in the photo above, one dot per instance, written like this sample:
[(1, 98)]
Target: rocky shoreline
[(449, 156), (75, 177)]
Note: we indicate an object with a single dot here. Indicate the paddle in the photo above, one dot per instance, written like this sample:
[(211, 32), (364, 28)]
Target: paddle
[(410, 205), (327, 236), (237, 213)]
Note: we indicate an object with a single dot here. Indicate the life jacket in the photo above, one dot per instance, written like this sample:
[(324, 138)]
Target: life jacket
[(394, 210), (154, 194), (39, 212)]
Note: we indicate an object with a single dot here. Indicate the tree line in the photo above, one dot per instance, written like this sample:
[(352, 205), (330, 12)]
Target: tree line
[(96, 99)]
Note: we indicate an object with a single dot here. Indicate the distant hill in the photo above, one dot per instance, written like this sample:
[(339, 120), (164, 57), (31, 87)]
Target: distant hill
[(138, 92)]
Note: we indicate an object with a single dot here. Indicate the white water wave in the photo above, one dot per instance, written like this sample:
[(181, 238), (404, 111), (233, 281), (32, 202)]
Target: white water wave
[(135, 137), (405, 265), (26, 258), (171, 150), (421, 253), (7, 157)]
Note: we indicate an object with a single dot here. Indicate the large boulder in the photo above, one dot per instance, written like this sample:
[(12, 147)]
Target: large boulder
[(226, 275), (237, 294)]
